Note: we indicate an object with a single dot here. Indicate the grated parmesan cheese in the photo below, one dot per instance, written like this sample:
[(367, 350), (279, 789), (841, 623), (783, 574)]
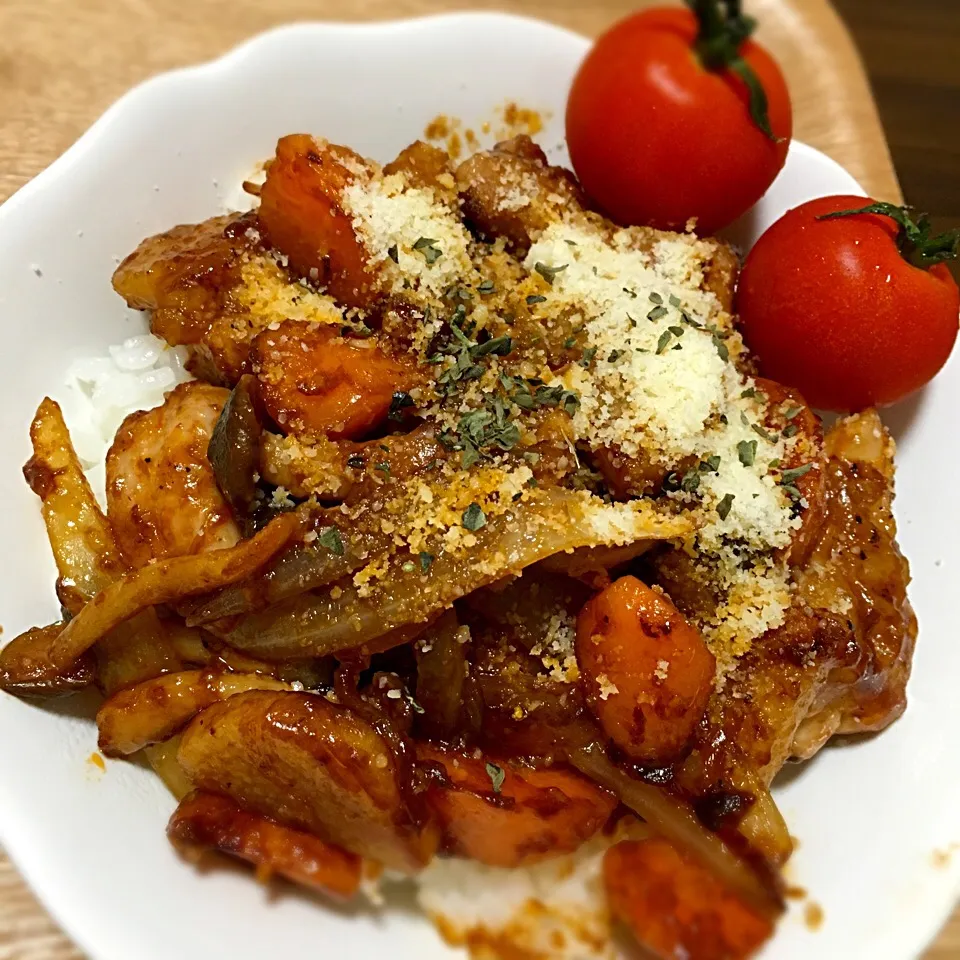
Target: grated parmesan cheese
[(556, 649), (607, 687), (662, 386), (390, 215)]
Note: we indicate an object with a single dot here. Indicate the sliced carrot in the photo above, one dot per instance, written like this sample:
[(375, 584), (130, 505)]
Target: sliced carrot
[(312, 380), (677, 908), (508, 816), (206, 821), (648, 672), (302, 212)]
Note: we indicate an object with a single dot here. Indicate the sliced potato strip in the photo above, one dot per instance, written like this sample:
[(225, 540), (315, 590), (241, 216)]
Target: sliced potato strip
[(27, 671), (163, 758), (135, 651), (83, 544), (299, 759), (167, 582), (156, 709)]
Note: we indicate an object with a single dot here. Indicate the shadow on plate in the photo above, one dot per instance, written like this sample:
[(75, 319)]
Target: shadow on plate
[(77, 706), (901, 416), (741, 233), (898, 418), (793, 771)]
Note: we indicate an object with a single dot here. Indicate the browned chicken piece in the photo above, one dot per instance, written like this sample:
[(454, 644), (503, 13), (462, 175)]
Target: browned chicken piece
[(186, 275), (212, 286), (629, 477), (318, 468), (299, 759), (788, 413), (512, 192), (425, 165), (162, 496), (204, 821), (840, 662), (526, 707), (857, 569), (749, 728)]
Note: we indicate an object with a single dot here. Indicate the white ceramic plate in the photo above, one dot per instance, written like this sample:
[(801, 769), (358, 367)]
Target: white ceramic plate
[(871, 817)]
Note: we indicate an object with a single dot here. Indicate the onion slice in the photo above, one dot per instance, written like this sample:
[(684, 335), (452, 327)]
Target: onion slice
[(673, 819), (80, 535), (301, 568), (346, 616)]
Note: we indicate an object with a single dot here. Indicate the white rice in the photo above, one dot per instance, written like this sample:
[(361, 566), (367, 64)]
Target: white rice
[(556, 908), (100, 391)]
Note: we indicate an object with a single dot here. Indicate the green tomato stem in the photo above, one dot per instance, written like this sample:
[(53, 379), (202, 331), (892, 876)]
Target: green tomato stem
[(724, 28), (914, 240)]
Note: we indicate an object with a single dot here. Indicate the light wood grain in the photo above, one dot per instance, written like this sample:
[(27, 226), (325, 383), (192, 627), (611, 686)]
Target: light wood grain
[(63, 62)]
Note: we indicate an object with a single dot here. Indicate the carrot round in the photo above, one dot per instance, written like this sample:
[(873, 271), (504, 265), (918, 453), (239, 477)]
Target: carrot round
[(312, 380), (509, 816), (647, 671), (675, 907), (301, 209)]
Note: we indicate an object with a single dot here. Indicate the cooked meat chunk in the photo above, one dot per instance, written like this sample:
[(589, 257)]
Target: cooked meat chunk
[(162, 496)]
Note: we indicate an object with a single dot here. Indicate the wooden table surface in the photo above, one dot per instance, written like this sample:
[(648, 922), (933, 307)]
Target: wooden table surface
[(62, 62)]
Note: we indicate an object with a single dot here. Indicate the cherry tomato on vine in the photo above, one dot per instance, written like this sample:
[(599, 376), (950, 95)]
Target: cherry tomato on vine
[(850, 301), (677, 115)]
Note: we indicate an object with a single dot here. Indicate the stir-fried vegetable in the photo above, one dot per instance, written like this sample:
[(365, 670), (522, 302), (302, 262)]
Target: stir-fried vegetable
[(649, 673), (506, 815), (675, 907), (317, 381), (134, 651), (234, 450), (673, 819), (299, 759), (302, 211), (204, 821), (167, 582), (442, 669), (342, 617), (301, 568), (156, 709), (163, 758), (425, 647), (82, 540), (27, 670)]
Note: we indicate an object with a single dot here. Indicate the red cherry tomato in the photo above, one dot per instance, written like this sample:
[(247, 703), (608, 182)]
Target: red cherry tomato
[(835, 309), (656, 137)]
